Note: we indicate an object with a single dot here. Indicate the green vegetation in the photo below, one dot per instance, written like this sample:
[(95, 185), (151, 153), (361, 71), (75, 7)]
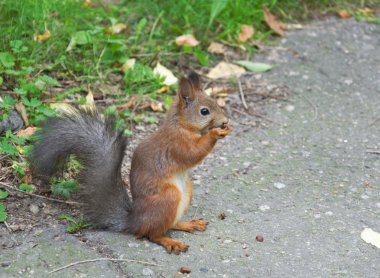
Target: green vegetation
[(75, 225), (59, 50)]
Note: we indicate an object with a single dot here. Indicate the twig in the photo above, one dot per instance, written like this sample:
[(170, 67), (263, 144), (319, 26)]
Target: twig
[(373, 151), (374, 122), (39, 196), (268, 95), (312, 104), (242, 93), (102, 259), (8, 228)]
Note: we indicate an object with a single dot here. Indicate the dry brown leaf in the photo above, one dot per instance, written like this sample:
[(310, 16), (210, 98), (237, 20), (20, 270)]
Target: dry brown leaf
[(157, 106), (216, 48), (246, 32), (221, 102), (26, 132), (277, 26), (225, 70), (28, 178), (344, 14), (117, 28), (42, 37), (20, 108), (129, 104), (187, 40)]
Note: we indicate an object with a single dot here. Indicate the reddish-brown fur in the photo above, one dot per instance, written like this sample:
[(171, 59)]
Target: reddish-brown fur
[(161, 161)]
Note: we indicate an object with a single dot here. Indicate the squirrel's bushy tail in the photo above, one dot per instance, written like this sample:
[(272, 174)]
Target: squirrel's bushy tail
[(100, 149)]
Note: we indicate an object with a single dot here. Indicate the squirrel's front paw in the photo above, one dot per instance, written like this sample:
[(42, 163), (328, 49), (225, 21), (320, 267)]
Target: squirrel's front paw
[(219, 133)]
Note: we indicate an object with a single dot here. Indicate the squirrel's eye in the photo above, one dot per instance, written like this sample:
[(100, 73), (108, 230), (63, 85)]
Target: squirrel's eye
[(204, 111)]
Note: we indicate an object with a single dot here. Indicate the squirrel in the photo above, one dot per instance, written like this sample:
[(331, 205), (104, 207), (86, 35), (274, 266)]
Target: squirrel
[(160, 187)]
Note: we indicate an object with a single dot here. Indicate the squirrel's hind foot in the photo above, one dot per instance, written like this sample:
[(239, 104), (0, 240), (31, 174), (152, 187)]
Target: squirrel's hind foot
[(171, 244)]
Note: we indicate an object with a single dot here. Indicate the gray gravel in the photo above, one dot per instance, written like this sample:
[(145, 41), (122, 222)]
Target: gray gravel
[(309, 183)]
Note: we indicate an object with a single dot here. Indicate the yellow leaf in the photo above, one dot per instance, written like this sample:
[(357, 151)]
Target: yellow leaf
[(88, 4), (42, 37), (163, 90)]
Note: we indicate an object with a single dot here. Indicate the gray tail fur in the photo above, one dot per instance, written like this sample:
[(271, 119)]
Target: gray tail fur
[(100, 149)]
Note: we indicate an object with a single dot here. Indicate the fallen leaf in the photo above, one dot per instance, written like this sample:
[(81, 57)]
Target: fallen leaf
[(221, 102), (367, 11), (222, 216), (255, 67), (129, 104), (163, 90), (90, 103), (344, 14), (26, 132), (170, 79), (370, 236), (187, 40), (216, 48), (246, 32), (88, 4), (225, 70), (117, 28), (42, 37), (20, 108), (28, 178), (277, 26), (217, 91), (157, 106), (129, 64)]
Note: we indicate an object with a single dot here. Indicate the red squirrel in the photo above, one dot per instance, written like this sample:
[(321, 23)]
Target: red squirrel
[(160, 187)]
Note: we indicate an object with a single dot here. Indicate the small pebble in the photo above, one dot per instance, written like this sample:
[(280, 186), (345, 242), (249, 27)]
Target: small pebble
[(259, 238), (34, 208), (264, 207), (185, 269), (290, 108), (147, 272), (279, 185)]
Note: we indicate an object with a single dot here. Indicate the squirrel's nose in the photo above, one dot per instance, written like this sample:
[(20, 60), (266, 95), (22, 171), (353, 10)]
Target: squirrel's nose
[(225, 122)]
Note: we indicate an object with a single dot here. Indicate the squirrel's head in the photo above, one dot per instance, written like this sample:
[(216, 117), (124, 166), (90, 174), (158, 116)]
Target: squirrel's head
[(195, 109)]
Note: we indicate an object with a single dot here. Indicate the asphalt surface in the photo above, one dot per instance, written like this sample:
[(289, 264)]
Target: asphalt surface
[(308, 183)]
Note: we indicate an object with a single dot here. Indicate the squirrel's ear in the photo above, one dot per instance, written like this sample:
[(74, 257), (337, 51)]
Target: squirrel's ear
[(186, 91), (188, 88)]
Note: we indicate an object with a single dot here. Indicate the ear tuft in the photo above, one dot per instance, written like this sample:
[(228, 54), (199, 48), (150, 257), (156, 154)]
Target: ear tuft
[(195, 80)]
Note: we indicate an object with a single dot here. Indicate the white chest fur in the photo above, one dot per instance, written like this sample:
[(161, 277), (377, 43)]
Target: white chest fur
[(180, 181)]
